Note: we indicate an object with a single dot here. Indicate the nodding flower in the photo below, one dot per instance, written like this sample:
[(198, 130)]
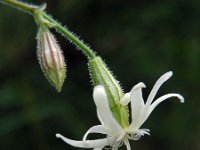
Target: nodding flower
[(116, 135)]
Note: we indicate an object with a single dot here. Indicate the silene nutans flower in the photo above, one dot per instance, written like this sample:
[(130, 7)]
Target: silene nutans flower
[(51, 58), (112, 110)]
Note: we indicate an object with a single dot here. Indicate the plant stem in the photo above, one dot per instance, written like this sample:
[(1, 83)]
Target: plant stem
[(32, 9), (71, 36), (21, 6)]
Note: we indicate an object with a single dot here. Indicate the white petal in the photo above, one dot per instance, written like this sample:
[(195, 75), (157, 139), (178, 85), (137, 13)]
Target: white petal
[(96, 129), (103, 109), (116, 145), (127, 144), (165, 97), (98, 148), (100, 143), (121, 136), (157, 85), (159, 100), (125, 99), (137, 105), (99, 117)]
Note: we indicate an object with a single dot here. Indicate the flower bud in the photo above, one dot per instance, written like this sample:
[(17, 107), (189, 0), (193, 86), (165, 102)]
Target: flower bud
[(51, 58), (101, 75)]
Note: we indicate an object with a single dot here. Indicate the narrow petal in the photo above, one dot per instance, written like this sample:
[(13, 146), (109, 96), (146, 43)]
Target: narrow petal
[(100, 143), (137, 105), (116, 145), (99, 117), (156, 87), (165, 97), (98, 148), (121, 136), (96, 129), (125, 99), (159, 100), (103, 109), (126, 142)]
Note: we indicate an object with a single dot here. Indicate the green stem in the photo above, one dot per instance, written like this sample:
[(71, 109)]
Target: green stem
[(21, 6), (71, 36), (32, 9)]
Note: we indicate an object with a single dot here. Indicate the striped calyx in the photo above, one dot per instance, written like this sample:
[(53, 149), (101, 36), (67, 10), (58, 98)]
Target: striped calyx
[(51, 58), (101, 75)]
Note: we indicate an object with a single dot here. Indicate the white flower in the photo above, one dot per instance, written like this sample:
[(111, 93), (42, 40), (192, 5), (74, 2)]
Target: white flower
[(116, 135)]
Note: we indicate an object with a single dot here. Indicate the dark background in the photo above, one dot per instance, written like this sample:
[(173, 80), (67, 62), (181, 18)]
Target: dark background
[(139, 40)]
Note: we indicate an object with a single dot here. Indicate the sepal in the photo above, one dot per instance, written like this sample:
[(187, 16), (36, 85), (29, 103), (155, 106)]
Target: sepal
[(101, 75)]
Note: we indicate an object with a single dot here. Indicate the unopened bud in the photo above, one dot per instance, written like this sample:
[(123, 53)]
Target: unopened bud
[(51, 58)]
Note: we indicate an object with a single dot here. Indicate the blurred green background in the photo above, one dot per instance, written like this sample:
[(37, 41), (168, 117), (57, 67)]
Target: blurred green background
[(139, 40)]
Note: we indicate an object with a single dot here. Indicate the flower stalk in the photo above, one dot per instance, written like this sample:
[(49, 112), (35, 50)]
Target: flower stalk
[(32, 9), (28, 8), (49, 51)]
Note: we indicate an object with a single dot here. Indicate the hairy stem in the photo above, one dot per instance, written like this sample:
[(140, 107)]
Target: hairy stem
[(32, 9), (21, 6), (79, 43)]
